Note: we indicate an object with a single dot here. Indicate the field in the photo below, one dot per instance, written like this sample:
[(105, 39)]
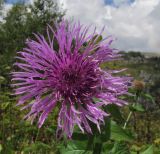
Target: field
[(18, 135), (131, 129)]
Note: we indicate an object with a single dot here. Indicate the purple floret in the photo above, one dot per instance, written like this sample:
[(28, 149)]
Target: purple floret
[(64, 70)]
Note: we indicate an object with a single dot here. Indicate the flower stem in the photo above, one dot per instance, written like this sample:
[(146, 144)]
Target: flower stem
[(37, 134), (128, 118)]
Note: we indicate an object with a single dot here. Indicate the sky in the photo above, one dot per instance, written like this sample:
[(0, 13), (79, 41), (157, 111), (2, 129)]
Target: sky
[(133, 23), (15, 1)]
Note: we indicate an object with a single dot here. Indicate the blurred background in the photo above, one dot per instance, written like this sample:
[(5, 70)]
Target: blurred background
[(135, 26)]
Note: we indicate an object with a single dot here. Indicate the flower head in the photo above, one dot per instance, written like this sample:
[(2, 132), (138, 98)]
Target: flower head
[(138, 85), (65, 69)]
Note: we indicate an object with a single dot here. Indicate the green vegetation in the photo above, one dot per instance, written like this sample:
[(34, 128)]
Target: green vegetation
[(133, 129)]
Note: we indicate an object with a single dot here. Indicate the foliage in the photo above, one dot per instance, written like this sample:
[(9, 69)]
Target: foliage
[(20, 23), (130, 130)]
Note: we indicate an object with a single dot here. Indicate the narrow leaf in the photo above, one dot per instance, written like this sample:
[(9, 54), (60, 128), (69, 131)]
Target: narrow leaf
[(119, 134), (149, 150)]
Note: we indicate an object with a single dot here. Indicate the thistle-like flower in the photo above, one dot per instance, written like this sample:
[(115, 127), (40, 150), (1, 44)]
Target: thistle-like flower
[(65, 69)]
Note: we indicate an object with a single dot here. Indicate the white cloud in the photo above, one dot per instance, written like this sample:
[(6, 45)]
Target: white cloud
[(135, 26), (6, 8), (154, 18)]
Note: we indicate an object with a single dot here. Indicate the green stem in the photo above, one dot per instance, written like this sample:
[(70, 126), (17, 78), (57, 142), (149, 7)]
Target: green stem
[(97, 149), (128, 118), (37, 135), (90, 142)]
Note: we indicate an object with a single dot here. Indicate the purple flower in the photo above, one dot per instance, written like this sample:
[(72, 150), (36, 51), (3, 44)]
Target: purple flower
[(64, 70)]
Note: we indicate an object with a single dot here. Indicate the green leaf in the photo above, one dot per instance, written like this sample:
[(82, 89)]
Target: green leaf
[(2, 79), (149, 150), (107, 147), (98, 39), (37, 146), (135, 148), (5, 105), (115, 112), (150, 97), (1, 147), (75, 147), (137, 107), (120, 148), (119, 134)]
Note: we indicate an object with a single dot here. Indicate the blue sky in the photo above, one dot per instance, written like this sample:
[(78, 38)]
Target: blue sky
[(14, 1), (107, 2), (117, 3)]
